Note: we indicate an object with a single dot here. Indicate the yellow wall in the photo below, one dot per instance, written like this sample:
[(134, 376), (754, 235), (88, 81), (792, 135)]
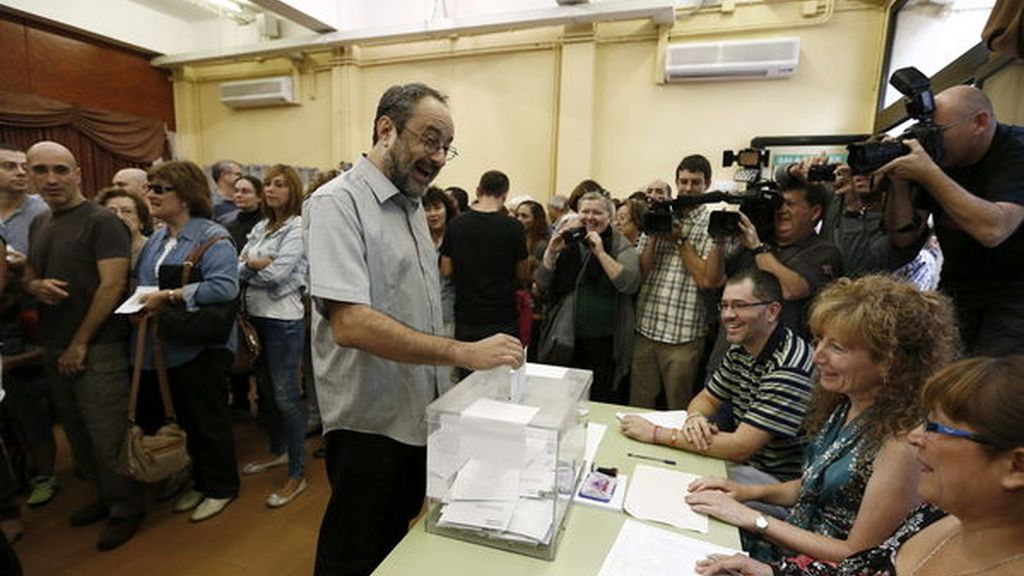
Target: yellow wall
[(553, 105)]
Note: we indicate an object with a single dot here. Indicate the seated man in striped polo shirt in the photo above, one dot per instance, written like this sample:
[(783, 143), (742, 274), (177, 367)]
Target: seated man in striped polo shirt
[(765, 378)]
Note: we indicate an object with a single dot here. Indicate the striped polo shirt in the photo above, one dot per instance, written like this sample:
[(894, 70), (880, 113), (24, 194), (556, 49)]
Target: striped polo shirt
[(770, 392)]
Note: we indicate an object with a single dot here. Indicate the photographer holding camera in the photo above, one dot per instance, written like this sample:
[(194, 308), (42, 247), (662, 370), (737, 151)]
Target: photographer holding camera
[(802, 260), (590, 273), (672, 318), (976, 194)]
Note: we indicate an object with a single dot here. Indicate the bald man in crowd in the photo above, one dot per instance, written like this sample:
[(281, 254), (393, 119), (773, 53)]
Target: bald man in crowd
[(132, 180), (77, 270), (976, 194)]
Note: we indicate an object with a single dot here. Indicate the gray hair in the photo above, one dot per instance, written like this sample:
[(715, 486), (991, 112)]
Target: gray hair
[(605, 201)]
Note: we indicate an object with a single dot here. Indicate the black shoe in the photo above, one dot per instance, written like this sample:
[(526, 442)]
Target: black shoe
[(320, 452), (87, 515), (118, 531)]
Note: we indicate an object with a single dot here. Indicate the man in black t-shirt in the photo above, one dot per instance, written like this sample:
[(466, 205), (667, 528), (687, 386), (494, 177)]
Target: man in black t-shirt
[(484, 252), (78, 271), (977, 198)]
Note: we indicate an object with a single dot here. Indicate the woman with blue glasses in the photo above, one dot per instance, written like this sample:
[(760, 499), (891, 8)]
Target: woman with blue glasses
[(970, 453), (878, 341)]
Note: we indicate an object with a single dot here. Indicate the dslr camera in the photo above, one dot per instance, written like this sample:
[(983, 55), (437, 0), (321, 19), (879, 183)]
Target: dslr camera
[(866, 157), (574, 235)]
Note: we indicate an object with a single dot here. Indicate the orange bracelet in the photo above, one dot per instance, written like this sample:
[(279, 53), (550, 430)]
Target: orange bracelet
[(675, 436), (654, 439)]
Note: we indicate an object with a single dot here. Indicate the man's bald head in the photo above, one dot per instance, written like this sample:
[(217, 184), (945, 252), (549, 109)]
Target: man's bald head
[(968, 124), (132, 180), (964, 100), (53, 173)]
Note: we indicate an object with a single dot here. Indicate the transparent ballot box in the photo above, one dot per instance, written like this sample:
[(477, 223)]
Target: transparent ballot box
[(504, 455)]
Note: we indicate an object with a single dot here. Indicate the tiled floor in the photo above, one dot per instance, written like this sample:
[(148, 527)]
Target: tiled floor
[(246, 539)]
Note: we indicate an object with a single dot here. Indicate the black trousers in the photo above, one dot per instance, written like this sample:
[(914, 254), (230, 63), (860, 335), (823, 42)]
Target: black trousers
[(997, 331), (596, 354), (199, 390), (377, 488)]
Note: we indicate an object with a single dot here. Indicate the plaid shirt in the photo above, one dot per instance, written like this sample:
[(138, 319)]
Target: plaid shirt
[(669, 307)]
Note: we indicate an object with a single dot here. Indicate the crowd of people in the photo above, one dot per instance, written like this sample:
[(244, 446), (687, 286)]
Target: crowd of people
[(806, 352)]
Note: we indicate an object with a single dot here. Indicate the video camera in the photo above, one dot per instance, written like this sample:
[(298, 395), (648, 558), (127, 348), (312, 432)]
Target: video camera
[(866, 157)]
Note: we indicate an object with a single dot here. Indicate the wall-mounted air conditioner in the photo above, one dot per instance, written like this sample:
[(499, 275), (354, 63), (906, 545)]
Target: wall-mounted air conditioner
[(275, 91), (730, 60)]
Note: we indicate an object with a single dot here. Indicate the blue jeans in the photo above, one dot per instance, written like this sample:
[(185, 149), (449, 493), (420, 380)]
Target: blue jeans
[(279, 377)]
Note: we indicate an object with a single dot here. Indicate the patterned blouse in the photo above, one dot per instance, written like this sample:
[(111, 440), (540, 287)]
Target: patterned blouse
[(877, 561), (838, 464)]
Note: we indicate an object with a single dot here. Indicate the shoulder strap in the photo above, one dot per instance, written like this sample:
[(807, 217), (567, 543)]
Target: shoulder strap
[(196, 255), (161, 371)]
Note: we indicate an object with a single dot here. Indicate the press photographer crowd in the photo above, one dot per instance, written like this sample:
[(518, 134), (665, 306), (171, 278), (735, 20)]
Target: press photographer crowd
[(846, 335)]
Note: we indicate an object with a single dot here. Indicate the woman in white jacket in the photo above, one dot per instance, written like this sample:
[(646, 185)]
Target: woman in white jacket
[(272, 268)]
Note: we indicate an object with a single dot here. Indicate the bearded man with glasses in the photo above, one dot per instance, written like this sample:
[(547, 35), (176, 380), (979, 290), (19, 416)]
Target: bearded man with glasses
[(976, 195)]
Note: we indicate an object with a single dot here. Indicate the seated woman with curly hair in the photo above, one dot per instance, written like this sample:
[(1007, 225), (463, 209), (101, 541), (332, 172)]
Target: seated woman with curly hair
[(878, 341)]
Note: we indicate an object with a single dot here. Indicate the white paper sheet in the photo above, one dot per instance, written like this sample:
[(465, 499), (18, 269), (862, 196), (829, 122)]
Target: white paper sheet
[(670, 419), (517, 384), (595, 432), (489, 515), (134, 302), (539, 464), (502, 411), (479, 480), (641, 550), (533, 519), (658, 494), (546, 371)]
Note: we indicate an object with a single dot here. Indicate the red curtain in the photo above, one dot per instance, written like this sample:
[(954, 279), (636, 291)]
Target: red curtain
[(103, 142)]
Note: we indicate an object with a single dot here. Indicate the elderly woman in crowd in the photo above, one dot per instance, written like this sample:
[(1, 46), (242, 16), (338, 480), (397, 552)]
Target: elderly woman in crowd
[(878, 340), (198, 372), (970, 452), (133, 211), (592, 280), (629, 219), (248, 198), (272, 268)]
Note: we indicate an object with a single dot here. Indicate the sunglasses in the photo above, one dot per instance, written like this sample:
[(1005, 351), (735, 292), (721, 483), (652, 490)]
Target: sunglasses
[(160, 188)]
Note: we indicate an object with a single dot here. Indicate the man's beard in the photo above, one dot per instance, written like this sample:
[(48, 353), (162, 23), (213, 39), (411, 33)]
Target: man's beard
[(400, 174)]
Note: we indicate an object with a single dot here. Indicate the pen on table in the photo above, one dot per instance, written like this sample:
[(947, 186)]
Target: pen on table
[(651, 458)]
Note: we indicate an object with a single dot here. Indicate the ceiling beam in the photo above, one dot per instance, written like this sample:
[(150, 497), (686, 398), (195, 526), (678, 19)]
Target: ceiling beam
[(303, 13)]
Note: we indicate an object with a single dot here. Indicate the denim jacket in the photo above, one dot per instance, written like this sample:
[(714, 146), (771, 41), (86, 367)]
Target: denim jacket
[(219, 284), (287, 272)]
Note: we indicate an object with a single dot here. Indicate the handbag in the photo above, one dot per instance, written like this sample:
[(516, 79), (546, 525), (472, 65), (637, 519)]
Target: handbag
[(151, 458), (208, 325), (249, 346), (558, 337)]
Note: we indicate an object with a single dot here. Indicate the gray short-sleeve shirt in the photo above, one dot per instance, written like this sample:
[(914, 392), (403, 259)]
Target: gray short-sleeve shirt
[(367, 243)]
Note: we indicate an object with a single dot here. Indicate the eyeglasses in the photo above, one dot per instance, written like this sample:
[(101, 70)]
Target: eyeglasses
[(431, 144), (738, 306), (160, 188), (945, 127), (930, 426)]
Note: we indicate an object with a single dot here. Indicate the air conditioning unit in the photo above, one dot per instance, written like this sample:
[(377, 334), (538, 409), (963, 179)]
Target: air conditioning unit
[(275, 91), (731, 60)]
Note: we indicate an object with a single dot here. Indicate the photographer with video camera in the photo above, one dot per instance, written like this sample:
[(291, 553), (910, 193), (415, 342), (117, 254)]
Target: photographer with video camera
[(852, 220), (590, 272), (672, 319), (971, 179), (802, 260)]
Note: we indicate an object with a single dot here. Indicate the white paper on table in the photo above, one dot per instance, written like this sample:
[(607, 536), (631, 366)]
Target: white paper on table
[(595, 432), (669, 419), (489, 515), (546, 371), (618, 497), (134, 302), (533, 519), (658, 494), (480, 480), (641, 550)]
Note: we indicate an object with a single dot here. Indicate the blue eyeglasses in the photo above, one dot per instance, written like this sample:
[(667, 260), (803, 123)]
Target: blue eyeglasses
[(930, 426)]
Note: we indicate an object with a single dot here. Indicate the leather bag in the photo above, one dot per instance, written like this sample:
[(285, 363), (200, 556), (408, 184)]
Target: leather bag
[(144, 457), (249, 346), (210, 324), (558, 338)]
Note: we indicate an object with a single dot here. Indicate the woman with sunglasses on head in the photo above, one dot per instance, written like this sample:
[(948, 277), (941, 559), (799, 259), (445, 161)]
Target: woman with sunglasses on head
[(198, 373), (878, 340), (970, 453), (273, 268)]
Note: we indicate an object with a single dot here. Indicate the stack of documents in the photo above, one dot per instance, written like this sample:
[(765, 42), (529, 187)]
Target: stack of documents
[(642, 550)]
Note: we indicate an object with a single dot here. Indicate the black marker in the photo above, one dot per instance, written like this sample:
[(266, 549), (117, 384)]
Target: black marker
[(651, 458)]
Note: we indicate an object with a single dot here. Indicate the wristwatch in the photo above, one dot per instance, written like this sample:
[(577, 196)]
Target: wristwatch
[(762, 248), (761, 523)]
